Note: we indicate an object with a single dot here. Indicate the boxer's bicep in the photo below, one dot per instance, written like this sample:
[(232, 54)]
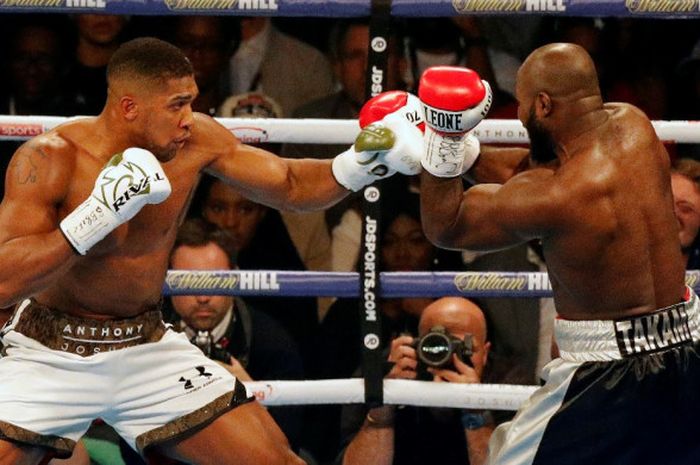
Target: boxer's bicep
[(494, 216), (499, 164), (35, 183)]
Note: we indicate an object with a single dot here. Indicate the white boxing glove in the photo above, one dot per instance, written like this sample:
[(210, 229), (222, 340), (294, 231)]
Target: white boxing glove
[(455, 100), (380, 150), (129, 181)]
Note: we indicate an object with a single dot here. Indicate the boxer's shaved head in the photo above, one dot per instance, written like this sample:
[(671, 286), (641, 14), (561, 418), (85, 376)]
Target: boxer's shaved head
[(560, 70)]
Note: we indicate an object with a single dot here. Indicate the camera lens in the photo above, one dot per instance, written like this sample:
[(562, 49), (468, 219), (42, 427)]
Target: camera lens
[(435, 349)]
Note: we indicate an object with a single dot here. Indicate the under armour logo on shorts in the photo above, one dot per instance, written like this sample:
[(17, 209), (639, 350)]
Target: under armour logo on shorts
[(188, 381)]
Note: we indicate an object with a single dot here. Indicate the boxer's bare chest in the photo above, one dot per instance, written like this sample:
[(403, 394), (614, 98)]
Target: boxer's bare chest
[(124, 272)]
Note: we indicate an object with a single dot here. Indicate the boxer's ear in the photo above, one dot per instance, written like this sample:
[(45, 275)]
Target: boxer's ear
[(543, 105), (128, 107)]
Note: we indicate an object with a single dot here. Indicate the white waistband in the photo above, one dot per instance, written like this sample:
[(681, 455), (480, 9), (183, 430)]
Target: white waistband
[(600, 340)]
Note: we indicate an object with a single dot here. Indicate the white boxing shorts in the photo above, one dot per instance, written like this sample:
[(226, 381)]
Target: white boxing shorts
[(622, 392), (58, 373)]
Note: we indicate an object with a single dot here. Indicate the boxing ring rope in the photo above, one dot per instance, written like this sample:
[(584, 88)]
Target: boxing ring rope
[(396, 392), (499, 284), (394, 284), (330, 131)]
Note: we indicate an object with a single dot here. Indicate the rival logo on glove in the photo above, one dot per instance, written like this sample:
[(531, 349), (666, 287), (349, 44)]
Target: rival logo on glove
[(141, 188)]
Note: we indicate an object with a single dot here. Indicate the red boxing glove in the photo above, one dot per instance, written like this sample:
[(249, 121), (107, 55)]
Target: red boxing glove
[(455, 99), (392, 102)]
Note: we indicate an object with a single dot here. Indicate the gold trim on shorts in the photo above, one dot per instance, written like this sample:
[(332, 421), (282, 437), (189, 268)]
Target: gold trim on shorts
[(194, 420), (62, 446), (86, 336)]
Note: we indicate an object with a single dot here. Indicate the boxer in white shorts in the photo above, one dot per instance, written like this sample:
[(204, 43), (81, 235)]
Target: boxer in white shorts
[(90, 213)]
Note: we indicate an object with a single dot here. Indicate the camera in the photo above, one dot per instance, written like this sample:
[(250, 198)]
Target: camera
[(212, 350), (435, 349)]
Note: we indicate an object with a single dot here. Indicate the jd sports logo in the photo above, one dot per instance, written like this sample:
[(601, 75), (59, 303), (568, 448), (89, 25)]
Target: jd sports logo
[(188, 381)]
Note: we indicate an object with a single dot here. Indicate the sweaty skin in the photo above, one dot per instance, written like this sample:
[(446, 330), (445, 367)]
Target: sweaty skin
[(52, 174), (602, 207)]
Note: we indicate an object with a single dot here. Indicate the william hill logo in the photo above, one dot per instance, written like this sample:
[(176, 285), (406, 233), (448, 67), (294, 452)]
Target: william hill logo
[(475, 281), (31, 3), (267, 5), (661, 6), (467, 6), (212, 281)]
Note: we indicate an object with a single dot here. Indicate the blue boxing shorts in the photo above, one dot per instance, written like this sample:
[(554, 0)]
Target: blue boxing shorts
[(622, 392)]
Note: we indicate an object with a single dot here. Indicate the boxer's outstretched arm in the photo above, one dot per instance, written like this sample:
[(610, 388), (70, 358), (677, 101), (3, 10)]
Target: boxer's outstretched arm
[(33, 251), (281, 183), (491, 216), (389, 142)]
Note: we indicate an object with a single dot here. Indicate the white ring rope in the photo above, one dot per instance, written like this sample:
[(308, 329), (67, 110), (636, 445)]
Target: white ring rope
[(396, 392), (333, 131)]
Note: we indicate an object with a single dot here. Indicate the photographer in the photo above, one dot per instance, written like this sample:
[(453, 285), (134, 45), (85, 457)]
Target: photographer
[(250, 344), (420, 435)]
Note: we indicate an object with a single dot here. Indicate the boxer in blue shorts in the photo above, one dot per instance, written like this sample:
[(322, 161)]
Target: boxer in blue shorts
[(87, 222), (597, 194)]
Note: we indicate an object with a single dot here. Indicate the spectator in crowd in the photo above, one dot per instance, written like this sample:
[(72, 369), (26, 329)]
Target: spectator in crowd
[(209, 42), (624, 77), (685, 179), (35, 69), (247, 342), (281, 66), (418, 435), (263, 243), (460, 42), (98, 37), (307, 230), (686, 101), (403, 247)]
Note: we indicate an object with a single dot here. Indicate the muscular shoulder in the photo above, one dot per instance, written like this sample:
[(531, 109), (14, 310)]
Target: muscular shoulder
[(210, 138), (630, 119), (46, 162)]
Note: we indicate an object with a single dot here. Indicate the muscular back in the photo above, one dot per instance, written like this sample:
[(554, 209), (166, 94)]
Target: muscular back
[(604, 215), (614, 248)]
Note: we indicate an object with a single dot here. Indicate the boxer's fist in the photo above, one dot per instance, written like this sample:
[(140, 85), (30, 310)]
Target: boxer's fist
[(394, 103), (454, 100), (129, 181), (380, 150), (390, 140)]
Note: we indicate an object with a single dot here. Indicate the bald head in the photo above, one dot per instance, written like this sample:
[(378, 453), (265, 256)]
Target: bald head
[(457, 315), (561, 70)]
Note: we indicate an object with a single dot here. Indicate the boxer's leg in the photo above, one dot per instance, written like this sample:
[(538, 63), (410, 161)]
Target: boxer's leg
[(16, 454), (246, 435)]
